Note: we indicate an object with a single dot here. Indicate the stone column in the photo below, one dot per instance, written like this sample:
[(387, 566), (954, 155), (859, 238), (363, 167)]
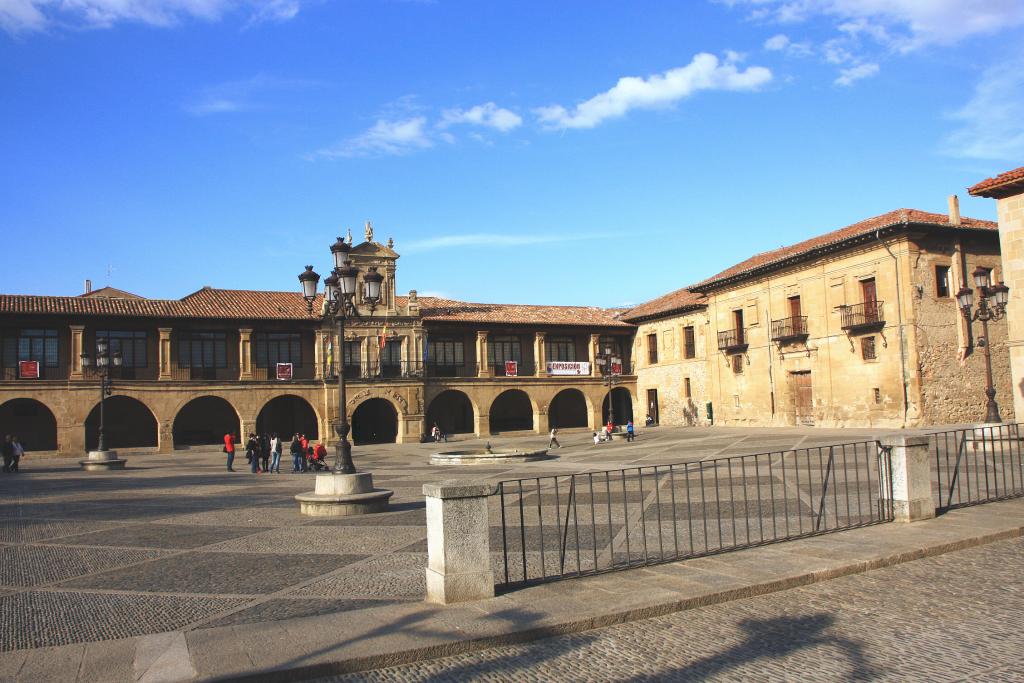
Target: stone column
[(540, 354), (911, 477), (1011, 242), (458, 548), (482, 366), (164, 354), (595, 341), (245, 353), (75, 362), (165, 438), (482, 424)]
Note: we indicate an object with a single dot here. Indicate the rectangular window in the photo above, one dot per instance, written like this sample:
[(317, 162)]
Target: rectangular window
[(652, 405), (612, 343), (502, 348), (353, 353), (737, 363), (272, 348), (689, 342), (877, 394), (686, 387), (942, 281), (652, 348), (38, 345), (203, 350), (446, 352), (867, 348), (560, 349), (869, 294), (131, 344)]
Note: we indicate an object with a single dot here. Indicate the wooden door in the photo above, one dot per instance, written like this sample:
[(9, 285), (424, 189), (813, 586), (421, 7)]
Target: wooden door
[(803, 398)]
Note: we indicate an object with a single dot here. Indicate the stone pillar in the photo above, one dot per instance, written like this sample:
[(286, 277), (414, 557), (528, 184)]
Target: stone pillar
[(75, 362), (165, 437), (458, 548), (482, 365), (911, 477), (319, 353), (595, 341), (164, 354), (245, 353), (1011, 243), (540, 354), (482, 424)]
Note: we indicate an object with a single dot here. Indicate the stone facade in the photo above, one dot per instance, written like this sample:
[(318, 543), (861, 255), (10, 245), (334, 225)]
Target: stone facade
[(678, 373)]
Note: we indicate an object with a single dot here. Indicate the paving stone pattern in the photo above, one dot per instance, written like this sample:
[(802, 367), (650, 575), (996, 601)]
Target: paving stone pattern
[(954, 617), (176, 542)]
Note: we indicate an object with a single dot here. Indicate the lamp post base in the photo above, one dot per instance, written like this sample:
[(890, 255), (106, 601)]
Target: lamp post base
[(100, 461), (341, 495)]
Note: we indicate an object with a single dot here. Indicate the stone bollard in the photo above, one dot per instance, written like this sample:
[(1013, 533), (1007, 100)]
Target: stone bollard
[(911, 477), (459, 562)]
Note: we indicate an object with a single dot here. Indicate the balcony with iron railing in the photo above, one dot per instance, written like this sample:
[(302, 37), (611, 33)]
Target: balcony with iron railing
[(299, 371), (204, 374), (790, 329), (732, 340), (452, 370), (523, 369), (864, 316), (377, 372)]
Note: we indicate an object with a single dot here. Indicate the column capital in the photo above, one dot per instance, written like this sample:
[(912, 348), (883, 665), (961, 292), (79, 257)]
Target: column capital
[(482, 334), (245, 330), (76, 328)]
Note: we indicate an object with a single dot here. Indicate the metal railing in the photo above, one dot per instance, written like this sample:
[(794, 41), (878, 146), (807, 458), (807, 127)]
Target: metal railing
[(184, 374), (527, 369), (375, 371), (977, 465), (461, 370), (789, 328), (867, 314), (573, 525), (731, 339), (299, 372)]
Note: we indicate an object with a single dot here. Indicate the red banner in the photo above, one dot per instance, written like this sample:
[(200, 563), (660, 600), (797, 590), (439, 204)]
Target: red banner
[(284, 371), (28, 369), (511, 368)]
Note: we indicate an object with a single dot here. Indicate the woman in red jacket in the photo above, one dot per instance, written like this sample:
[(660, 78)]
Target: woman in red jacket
[(229, 448)]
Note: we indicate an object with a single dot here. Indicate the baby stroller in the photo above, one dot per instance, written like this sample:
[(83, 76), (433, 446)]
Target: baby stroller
[(317, 458)]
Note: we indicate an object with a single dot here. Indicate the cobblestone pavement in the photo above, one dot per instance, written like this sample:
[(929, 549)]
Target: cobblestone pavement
[(176, 542), (954, 617)]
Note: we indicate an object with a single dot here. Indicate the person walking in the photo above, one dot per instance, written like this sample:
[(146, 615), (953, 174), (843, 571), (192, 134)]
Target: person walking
[(553, 439), (229, 448), (252, 453), (304, 442), (8, 451), (296, 450), (597, 439), (264, 452), (18, 451), (275, 454), (630, 435)]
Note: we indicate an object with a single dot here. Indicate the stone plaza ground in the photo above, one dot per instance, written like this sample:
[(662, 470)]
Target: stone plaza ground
[(176, 544)]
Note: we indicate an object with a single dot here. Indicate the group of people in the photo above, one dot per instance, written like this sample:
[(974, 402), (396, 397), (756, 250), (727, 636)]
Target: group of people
[(263, 453), (13, 452), (606, 433), (437, 435)]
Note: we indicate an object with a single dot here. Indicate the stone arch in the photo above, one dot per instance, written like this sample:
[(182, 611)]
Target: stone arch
[(623, 406), (375, 420), (453, 411), (128, 423), (31, 421), (569, 408), (288, 414), (511, 410), (205, 420)]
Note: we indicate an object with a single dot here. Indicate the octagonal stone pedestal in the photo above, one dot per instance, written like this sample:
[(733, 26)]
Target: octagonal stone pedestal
[(102, 461), (481, 455), (340, 495)]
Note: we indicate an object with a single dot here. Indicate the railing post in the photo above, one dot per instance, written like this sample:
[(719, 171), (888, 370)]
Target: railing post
[(458, 547), (911, 477)]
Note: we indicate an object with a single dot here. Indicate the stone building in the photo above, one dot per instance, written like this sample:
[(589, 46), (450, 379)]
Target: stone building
[(1008, 191), (856, 327), (219, 361)]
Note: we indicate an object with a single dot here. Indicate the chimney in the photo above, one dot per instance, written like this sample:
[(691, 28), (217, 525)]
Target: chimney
[(954, 210), (88, 286)]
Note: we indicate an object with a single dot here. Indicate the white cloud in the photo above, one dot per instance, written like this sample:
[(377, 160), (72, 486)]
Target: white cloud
[(782, 43), (704, 72), (489, 115), (490, 240), (243, 95), (777, 42), (17, 16), (856, 73), (992, 121), (384, 138)]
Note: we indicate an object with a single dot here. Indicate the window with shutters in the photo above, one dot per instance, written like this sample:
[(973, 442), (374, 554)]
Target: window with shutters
[(560, 349), (38, 345), (501, 348), (867, 348), (203, 350), (689, 343), (272, 348), (446, 352), (652, 348)]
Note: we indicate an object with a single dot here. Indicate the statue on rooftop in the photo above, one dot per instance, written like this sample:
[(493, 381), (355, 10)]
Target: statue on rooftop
[(369, 232)]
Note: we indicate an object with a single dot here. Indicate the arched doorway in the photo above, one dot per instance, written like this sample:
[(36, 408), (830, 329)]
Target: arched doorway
[(452, 411), (31, 421), (511, 411), (288, 415), (205, 420), (568, 409), (623, 406), (127, 423), (375, 421)]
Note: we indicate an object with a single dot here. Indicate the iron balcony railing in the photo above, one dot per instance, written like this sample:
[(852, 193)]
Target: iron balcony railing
[(299, 372), (201, 374), (376, 371), (732, 340), (565, 526), (452, 370), (789, 329), (977, 465), (861, 316), (522, 369)]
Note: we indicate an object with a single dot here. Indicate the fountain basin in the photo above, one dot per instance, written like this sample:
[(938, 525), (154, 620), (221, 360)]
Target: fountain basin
[(482, 455)]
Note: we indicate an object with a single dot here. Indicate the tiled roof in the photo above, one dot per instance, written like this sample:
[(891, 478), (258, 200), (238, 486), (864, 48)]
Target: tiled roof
[(779, 257), (445, 310), (111, 293), (990, 187), (677, 301)]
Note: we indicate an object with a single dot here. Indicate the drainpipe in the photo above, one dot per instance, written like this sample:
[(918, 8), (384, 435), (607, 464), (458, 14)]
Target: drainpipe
[(899, 317)]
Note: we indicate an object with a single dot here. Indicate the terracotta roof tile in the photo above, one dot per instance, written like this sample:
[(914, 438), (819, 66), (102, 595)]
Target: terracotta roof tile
[(777, 257), (438, 310), (677, 301), (990, 186)]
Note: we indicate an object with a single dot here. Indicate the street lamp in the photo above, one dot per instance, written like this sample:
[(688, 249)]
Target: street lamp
[(102, 368), (991, 306), (339, 291), (610, 379)]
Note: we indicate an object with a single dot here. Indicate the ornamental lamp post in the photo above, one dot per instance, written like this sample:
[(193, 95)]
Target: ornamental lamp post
[(991, 306), (101, 458), (610, 380)]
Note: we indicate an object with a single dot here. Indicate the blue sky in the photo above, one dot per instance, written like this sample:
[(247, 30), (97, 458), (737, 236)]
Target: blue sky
[(597, 153)]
